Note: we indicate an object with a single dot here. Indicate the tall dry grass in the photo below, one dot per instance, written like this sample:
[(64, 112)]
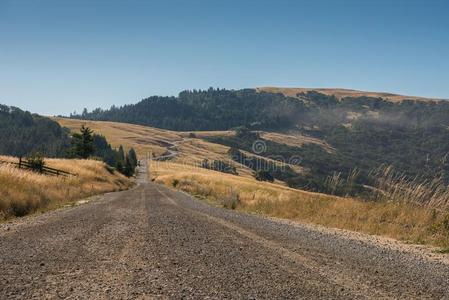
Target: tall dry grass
[(400, 220), (23, 192), (396, 187)]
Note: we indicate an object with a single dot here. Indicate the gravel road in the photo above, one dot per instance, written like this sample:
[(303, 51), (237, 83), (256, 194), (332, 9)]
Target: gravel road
[(152, 242)]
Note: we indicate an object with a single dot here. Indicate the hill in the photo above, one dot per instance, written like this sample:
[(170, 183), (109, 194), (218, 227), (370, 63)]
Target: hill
[(342, 93), (350, 134), (22, 133)]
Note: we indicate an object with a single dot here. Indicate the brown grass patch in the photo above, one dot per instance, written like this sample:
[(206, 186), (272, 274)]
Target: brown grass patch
[(295, 140), (142, 138), (23, 192), (341, 93)]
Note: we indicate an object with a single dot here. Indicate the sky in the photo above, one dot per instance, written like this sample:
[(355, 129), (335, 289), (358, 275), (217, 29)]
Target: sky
[(60, 56)]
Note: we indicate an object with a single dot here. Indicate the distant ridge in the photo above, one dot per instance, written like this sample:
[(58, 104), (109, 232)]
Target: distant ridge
[(341, 93)]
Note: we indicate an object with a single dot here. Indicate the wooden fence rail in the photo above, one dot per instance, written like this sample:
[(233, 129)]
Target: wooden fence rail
[(45, 170)]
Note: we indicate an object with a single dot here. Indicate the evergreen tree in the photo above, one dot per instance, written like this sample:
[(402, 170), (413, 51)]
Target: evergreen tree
[(83, 143), (121, 154), (129, 168), (119, 166), (133, 158)]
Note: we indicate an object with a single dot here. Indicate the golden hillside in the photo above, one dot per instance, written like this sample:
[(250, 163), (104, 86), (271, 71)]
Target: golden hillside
[(341, 93), (23, 192), (189, 148)]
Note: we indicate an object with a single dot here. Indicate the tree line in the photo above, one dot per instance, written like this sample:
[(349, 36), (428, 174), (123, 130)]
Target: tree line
[(34, 137), (85, 144)]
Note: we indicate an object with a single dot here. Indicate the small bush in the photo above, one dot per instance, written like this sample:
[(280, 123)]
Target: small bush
[(262, 175), (36, 162), (175, 182), (231, 200)]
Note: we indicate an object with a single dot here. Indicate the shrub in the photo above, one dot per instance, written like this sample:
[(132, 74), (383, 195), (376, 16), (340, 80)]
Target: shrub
[(231, 200), (36, 162), (262, 175)]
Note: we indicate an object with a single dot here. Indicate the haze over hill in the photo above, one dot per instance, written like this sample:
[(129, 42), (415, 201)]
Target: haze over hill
[(356, 133)]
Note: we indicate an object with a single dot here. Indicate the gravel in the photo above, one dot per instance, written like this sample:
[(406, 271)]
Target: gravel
[(153, 242)]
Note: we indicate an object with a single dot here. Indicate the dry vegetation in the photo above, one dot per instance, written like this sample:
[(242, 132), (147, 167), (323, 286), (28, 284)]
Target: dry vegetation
[(393, 186), (398, 220), (23, 192), (143, 139), (340, 93), (192, 150), (295, 140)]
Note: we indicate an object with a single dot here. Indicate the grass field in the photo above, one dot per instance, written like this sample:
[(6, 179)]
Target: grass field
[(143, 139), (397, 220), (191, 149), (23, 192)]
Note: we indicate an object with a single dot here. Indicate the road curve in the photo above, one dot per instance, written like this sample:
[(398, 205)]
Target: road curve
[(152, 242)]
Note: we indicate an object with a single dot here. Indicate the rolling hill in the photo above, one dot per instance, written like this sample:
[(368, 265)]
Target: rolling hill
[(349, 134), (342, 93)]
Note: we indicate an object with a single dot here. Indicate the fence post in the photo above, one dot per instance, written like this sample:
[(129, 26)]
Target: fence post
[(20, 162)]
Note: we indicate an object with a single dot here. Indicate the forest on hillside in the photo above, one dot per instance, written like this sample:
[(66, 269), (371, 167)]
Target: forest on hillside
[(23, 134), (366, 132), (213, 109)]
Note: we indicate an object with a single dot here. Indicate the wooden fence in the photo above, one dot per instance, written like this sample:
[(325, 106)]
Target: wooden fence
[(44, 170)]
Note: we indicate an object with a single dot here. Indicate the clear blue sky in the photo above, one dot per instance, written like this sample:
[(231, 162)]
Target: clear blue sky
[(60, 56)]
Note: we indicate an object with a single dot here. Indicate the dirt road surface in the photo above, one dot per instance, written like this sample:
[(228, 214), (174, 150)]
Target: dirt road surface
[(154, 243)]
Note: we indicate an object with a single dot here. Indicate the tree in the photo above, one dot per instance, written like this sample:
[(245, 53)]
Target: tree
[(129, 168), (119, 166), (121, 154), (83, 143), (262, 175), (132, 158)]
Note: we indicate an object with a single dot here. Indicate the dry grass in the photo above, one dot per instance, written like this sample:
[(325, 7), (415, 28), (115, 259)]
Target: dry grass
[(341, 93), (295, 140), (392, 219), (393, 186), (23, 192), (142, 138), (192, 151)]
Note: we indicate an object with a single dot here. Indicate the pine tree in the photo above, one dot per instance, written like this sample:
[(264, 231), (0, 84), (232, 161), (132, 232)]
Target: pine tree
[(83, 143), (121, 154), (129, 168), (133, 158)]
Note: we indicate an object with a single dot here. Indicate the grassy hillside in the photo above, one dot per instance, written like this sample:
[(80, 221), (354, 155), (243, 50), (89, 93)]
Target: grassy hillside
[(142, 138), (331, 133), (340, 93), (23, 192), (191, 147)]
